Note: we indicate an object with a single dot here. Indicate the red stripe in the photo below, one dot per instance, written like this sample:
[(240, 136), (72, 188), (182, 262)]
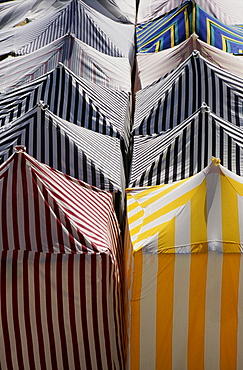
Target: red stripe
[(49, 311), (84, 311), (4, 232), (37, 212), (4, 292), (104, 311), (15, 308), (48, 221), (27, 309), (94, 310), (37, 299), (71, 300), (26, 206), (14, 202), (60, 292), (59, 228)]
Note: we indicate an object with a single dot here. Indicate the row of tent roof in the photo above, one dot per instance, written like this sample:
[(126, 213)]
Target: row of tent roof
[(97, 97)]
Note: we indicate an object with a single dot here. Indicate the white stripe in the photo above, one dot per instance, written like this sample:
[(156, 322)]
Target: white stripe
[(214, 211), (181, 311), (148, 311), (213, 311), (182, 230)]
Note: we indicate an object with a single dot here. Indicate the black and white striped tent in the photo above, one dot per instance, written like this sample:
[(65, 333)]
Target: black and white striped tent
[(77, 100), (186, 149), (83, 60), (76, 17), (170, 100)]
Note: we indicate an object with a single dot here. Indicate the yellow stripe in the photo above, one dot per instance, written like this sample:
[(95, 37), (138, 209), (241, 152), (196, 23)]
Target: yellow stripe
[(208, 32), (230, 217), (135, 311), (164, 317), (186, 20), (172, 36), (198, 220), (193, 17), (196, 324), (229, 312)]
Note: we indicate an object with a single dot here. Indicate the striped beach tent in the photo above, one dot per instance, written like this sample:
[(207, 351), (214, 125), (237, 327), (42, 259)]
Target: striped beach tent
[(177, 25), (172, 99), (185, 301), (74, 99), (167, 60), (185, 150), (81, 153), (74, 16), (119, 10), (227, 12), (60, 271), (83, 60)]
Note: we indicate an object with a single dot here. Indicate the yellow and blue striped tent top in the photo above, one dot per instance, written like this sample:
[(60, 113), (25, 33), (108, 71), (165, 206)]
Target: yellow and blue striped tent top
[(178, 24)]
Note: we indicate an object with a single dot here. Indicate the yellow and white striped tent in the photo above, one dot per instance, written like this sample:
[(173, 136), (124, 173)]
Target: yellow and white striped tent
[(185, 273)]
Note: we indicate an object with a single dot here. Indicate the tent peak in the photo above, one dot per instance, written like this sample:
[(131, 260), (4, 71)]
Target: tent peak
[(42, 105), (20, 149), (216, 161), (205, 108)]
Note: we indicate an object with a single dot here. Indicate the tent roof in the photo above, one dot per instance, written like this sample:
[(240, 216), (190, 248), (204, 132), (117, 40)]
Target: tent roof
[(186, 149), (189, 216), (98, 31), (75, 99), (80, 58), (44, 210), (170, 100), (177, 25), (167, 60)]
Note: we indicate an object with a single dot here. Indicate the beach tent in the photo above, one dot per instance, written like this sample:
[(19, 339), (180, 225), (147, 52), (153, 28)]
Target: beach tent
[(167, 60), (83, 60), (81, 153), (74, 16), (119, 10), (76, 100), (185, 272), (177, 25), (228, 12), (185, 150), (60, 271), (170, 100)]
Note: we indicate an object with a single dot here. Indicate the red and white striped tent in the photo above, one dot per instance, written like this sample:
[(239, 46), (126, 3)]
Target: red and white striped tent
[(60, 271)]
